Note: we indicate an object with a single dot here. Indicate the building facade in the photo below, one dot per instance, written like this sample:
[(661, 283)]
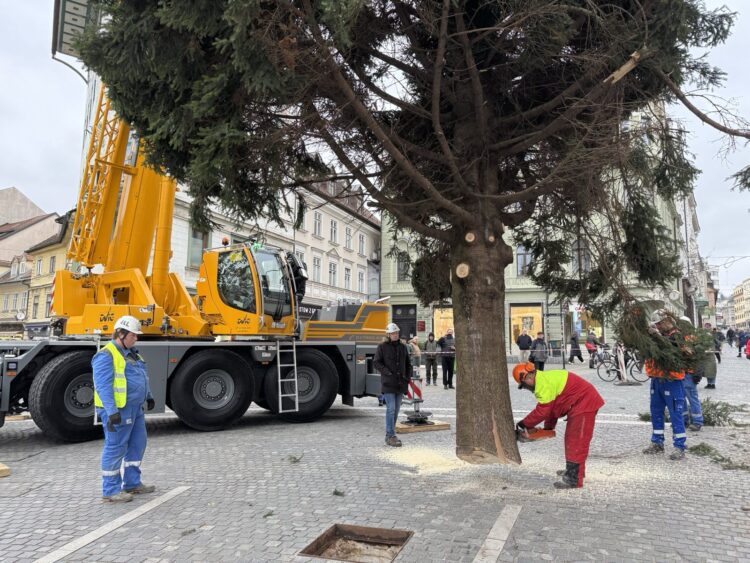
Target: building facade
[(47, 257), (14, 295), (339, 243)]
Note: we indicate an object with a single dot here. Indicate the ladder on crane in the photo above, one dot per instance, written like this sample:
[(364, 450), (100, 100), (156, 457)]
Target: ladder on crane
[(286, 357)]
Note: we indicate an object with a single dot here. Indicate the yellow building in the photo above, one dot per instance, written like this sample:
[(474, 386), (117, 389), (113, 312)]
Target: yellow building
[(14, 294), (47, 257)]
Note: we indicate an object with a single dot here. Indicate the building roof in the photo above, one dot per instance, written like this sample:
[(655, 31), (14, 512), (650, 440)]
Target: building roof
[(9, 229), (58, 237)]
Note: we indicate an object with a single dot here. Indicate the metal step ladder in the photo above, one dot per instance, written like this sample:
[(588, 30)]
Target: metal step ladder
[(286, 357)]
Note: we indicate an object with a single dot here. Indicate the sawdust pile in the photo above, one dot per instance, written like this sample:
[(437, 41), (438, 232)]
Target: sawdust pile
[(426, 461)]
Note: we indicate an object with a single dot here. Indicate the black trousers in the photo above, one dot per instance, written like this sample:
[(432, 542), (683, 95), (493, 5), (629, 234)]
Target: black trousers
[(539, 365), (576, 355), (448, 371), (431, 367)]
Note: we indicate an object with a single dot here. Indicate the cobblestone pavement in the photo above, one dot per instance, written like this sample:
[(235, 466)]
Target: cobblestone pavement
[(249, 500)]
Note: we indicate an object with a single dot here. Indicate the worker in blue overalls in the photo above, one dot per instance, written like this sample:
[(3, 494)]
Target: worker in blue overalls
[(121, 389)]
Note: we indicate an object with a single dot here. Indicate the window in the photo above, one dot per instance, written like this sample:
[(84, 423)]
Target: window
[(52, 264), (402, 267), (48, 305), (196, 245), (581, 257), (348, 238), (235, 281), (523, 261), (317, 223), (22, 268), (361, 282), (301, 255), (277, 300), (38, 267), (362, 244), (14, 269), (35, 307), (14, 307), (5, 302), (347, 278), (332, 267), (334, 231), (525, 316), (316, 269), (24, 300)]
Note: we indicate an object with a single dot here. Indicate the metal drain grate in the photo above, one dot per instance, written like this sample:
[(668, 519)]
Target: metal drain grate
[(358, 544)]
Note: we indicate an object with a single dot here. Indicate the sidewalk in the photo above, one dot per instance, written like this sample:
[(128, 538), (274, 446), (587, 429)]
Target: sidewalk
[(249, 500)]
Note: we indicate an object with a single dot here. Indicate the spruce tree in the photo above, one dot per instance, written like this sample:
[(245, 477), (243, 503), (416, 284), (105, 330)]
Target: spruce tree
[(472, 123)]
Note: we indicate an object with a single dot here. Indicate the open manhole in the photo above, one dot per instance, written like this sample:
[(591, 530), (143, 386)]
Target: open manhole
[(358, 544)]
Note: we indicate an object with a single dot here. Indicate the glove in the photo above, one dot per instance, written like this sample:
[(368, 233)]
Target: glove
[(697, 379), (150, 404), (520, 427), (112, 420)]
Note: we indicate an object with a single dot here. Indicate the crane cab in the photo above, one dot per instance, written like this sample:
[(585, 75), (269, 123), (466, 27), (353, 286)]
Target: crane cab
[(250, 290)]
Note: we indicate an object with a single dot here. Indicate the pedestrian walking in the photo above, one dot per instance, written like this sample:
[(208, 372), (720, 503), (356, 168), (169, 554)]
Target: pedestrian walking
[(539, 352), (430, 350), (562, 393), (120, 391), (730, 336), (447, 346), (392, 361), (524, 345), (667, 391), (575, 348), (718, 337), (742, 338)]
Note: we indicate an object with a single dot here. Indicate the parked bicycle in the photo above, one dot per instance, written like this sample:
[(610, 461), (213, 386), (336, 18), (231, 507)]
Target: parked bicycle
[(609, 367)]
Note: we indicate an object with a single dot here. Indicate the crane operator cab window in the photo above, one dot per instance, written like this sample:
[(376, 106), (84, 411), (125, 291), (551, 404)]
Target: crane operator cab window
[(235, 281), (274, 283)]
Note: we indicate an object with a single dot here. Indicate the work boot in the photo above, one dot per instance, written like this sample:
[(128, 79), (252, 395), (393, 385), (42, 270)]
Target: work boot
[(654, 448), (694, 428), (569, 477), (677, 455), (445, 387), (393, 442), (141, 489), (122, 496)]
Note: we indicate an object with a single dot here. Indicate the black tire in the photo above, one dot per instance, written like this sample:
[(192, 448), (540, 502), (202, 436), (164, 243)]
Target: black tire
[(212, 389), (607, 371), (61, 398), (318, 381), (637, 373), (262, 403)]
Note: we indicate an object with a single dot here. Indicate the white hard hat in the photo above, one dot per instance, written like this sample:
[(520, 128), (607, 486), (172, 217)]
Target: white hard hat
[(131, 324), (392, 327)]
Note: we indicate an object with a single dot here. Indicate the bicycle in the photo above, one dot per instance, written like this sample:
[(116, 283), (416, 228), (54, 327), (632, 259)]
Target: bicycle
[(609, 368)]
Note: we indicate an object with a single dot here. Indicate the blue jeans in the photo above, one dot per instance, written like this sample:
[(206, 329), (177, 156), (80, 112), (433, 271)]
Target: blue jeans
[(392, 406), (693, 412), (670, 394)]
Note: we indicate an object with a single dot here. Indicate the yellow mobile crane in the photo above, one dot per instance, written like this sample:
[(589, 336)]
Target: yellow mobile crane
[(123, 224)]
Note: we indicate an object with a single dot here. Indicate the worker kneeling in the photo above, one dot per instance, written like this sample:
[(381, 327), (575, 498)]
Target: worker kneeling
[(562, 393)]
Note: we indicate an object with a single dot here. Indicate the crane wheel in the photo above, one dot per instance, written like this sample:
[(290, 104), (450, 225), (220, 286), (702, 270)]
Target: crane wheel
[(318, 383), (212, 389), (61, 398)]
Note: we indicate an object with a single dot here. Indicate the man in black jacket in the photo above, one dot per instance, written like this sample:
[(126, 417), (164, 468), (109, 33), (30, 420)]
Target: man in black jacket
[(524, 345), (447, 346), (392, 361)]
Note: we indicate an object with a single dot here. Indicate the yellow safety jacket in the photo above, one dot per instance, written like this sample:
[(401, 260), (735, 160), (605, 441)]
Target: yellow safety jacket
[(120, 384)]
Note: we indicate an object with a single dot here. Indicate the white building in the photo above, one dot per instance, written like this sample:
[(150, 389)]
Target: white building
[(340, 245)]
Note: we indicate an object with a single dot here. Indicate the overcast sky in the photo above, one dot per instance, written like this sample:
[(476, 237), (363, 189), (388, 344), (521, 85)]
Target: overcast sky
[(42, 111)]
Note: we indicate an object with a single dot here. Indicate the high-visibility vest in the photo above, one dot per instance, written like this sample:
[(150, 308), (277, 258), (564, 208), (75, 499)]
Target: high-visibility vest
[(120, 384)]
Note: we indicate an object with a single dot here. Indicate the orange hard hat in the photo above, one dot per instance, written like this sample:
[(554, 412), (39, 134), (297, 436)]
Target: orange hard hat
[(522, 369)]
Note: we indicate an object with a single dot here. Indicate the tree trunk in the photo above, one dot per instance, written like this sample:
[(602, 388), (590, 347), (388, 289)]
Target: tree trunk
[(485, 431)]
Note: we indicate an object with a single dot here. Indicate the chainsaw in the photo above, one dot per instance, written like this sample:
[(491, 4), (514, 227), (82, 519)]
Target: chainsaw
[(534, 434)]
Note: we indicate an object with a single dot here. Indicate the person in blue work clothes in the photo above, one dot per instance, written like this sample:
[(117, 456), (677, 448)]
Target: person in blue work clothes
[(120, 391)]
